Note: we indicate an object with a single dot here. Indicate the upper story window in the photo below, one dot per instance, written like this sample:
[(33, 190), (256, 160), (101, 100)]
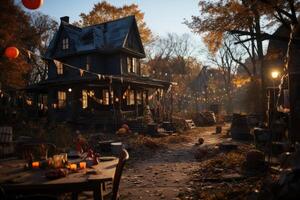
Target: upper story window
[(62, 99), (60, 69), (65, 43), (132, 65)]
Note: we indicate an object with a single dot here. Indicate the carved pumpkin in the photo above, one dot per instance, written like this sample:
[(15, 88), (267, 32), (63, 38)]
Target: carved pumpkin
[(32, 4), (11, 52)]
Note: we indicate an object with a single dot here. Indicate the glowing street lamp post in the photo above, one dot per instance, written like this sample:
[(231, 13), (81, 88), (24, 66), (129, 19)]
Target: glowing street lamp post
[(274, 75)]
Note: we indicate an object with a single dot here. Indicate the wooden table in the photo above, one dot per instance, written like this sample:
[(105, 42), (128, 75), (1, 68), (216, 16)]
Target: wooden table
[(16, 180)]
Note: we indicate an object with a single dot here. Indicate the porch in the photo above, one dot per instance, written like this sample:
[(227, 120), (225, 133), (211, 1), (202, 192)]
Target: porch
[(103, 103)]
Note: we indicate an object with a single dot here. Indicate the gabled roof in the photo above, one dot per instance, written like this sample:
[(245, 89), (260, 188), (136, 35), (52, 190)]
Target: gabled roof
[(104, 37)]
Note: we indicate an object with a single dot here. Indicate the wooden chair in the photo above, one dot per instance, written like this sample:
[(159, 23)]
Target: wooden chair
[(114, 194)]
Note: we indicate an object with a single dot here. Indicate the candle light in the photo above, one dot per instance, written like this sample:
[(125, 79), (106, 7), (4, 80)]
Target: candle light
[(73, 167), (35, 164), (82, 165)]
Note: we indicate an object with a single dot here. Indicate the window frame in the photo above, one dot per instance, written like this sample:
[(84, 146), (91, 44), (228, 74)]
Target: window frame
[(139, 97), (105, 97), (65, 43), (60, 69), (130, 98), (61, 99), (132, 65), (129, 64), (85, 103)]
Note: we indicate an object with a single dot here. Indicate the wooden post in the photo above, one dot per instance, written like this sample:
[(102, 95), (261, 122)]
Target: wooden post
[(136, 104)]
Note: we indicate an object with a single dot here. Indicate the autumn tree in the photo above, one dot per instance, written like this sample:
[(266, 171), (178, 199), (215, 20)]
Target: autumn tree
[(248, 19), (15, 30), (228, 59), (172, 59), (104, 11), (172, 54)]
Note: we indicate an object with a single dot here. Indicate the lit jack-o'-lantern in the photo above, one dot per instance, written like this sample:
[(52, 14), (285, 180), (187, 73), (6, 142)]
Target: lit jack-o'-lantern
[(32, 4), (11, 52)]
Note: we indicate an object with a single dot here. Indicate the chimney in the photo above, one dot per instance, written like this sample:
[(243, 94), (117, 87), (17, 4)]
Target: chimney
[(65, 19)]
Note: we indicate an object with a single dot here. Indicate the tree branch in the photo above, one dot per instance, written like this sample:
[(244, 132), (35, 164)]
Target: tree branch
[(237, 61)]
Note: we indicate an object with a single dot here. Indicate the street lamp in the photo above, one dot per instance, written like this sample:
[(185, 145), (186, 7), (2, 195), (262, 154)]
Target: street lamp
[(274, 75)]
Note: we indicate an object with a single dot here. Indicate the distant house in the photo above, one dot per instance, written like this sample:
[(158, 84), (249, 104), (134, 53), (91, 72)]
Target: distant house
[(208, 87), (114, 92)]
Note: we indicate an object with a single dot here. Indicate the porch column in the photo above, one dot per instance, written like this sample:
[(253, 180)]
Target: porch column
[(75, 95), (136, 104)]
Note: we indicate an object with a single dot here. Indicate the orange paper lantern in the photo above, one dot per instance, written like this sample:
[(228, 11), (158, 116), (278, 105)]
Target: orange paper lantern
[(11, 52), (32, 4)]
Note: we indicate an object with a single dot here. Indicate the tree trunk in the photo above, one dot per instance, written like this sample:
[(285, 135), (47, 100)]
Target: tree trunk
[(262, 97)]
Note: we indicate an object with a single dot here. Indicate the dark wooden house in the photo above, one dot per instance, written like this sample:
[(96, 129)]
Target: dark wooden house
[(114, 91)]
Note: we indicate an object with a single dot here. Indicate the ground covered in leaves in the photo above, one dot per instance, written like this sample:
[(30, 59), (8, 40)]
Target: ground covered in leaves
[(222, 177), (180, 167)]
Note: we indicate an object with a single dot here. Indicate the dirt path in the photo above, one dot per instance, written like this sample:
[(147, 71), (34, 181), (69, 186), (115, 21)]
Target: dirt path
[(165, 175)]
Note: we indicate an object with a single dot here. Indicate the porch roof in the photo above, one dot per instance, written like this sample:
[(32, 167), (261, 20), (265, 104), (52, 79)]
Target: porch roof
[(136, 80)]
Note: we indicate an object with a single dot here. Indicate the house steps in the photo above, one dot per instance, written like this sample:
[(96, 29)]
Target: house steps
[(190, 123)]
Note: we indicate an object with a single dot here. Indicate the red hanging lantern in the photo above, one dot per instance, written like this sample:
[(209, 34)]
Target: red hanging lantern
[(32, 4), (11, 52)]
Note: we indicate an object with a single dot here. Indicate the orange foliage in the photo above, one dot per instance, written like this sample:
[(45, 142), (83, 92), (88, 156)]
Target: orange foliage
[(15, 30), (104, 11), (239, 81)]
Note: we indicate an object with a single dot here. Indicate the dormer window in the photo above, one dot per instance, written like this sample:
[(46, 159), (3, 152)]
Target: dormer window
[(65, 43)]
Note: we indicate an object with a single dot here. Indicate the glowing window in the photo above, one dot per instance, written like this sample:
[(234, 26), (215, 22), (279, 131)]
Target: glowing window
[(139, 98), (105, 97), (84, 99), (62, 99), (60, 69), (130, 97)]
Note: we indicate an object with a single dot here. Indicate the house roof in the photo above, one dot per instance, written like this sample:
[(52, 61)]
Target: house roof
[(107, 36)]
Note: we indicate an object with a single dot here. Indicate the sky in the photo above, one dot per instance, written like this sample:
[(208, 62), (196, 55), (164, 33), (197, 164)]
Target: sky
[(162, 16)]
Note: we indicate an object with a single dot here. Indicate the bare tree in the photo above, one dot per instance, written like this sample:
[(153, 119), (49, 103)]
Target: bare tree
[(228, 59), (46, 28)]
